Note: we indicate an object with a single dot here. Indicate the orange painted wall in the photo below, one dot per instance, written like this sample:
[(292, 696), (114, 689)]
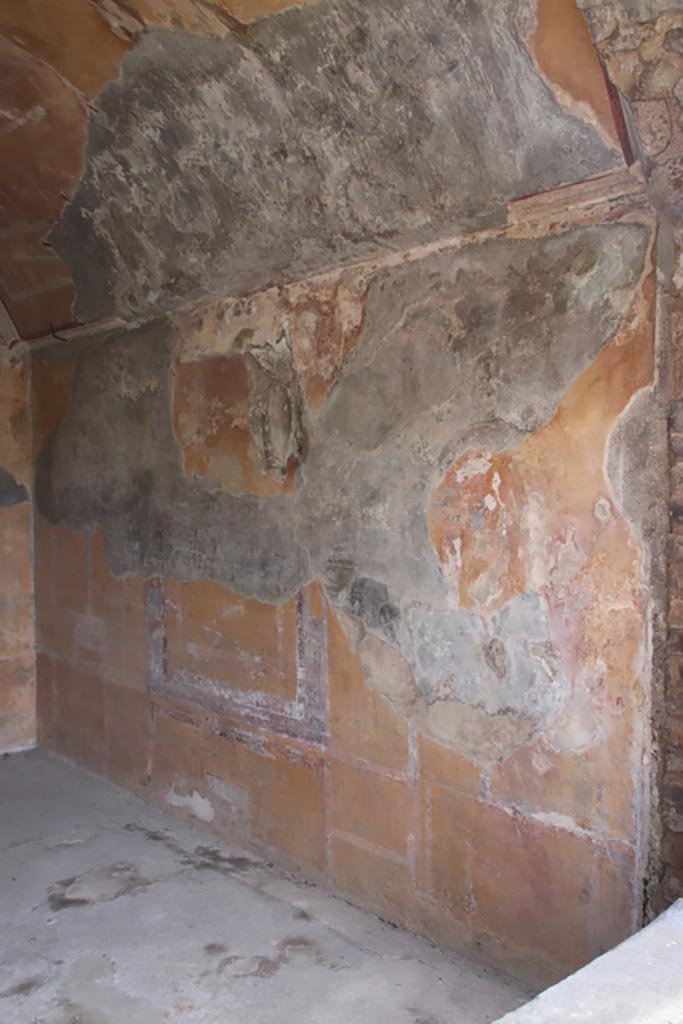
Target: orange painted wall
[(533, 861), (17, 657)]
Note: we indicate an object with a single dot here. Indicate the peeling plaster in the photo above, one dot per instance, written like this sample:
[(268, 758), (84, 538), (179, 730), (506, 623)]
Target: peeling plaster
[(466, 351), (11, 492), (198, 805), (319, 137)]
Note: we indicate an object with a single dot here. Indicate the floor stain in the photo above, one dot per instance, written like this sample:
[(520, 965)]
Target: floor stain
[(203, 857), (22, 988), (267, 966), (97, 886), (214, 948), (213, 859), (91, 995)]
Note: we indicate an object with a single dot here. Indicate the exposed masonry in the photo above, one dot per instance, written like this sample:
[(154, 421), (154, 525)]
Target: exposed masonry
[(466, 349), (671, 865), (641, 44), (327, 134)]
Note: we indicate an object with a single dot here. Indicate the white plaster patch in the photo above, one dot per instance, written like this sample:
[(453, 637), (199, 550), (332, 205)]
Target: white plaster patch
[(537, 534), (70, 839), (495, 483), (452, 566), (577, 727), (568, 562), (34, 115), (196, 804), (477, 465), (540, 762), (678, 274), (603, 510), (555, 820)]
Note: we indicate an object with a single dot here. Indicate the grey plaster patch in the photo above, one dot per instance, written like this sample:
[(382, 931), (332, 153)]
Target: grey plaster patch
[(11, 492), (503, 664), (465, 349), (324, 135), (637, 465), (484, 686), (130, 479), (673, 41), (276, 405), (473, 732)]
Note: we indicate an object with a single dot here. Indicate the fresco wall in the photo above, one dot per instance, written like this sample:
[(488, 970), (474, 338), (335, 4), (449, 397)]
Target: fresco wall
[(17, 657), (359, 571), (641, 45)]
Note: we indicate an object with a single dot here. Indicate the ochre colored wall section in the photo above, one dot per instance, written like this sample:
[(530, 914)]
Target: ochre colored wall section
[(671, 874), (17, 657), (566, 56), (355, 572), (641, 44)]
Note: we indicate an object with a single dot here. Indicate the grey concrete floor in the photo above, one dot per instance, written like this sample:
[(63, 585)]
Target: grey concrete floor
[(112, 912)]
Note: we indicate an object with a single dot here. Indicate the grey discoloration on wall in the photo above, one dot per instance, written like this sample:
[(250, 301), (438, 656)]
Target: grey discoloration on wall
[(501, 664), (463, 349), (325, 135), (11, 492), (471, 673), (276, 405), (637, 466), (117, 462)]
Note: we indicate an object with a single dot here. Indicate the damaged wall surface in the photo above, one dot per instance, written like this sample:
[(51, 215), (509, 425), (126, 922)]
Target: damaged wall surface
[(349, 535), (357, 572), (56, 58), (333, 132), (17, 656), (670, 885), (641, 43)]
